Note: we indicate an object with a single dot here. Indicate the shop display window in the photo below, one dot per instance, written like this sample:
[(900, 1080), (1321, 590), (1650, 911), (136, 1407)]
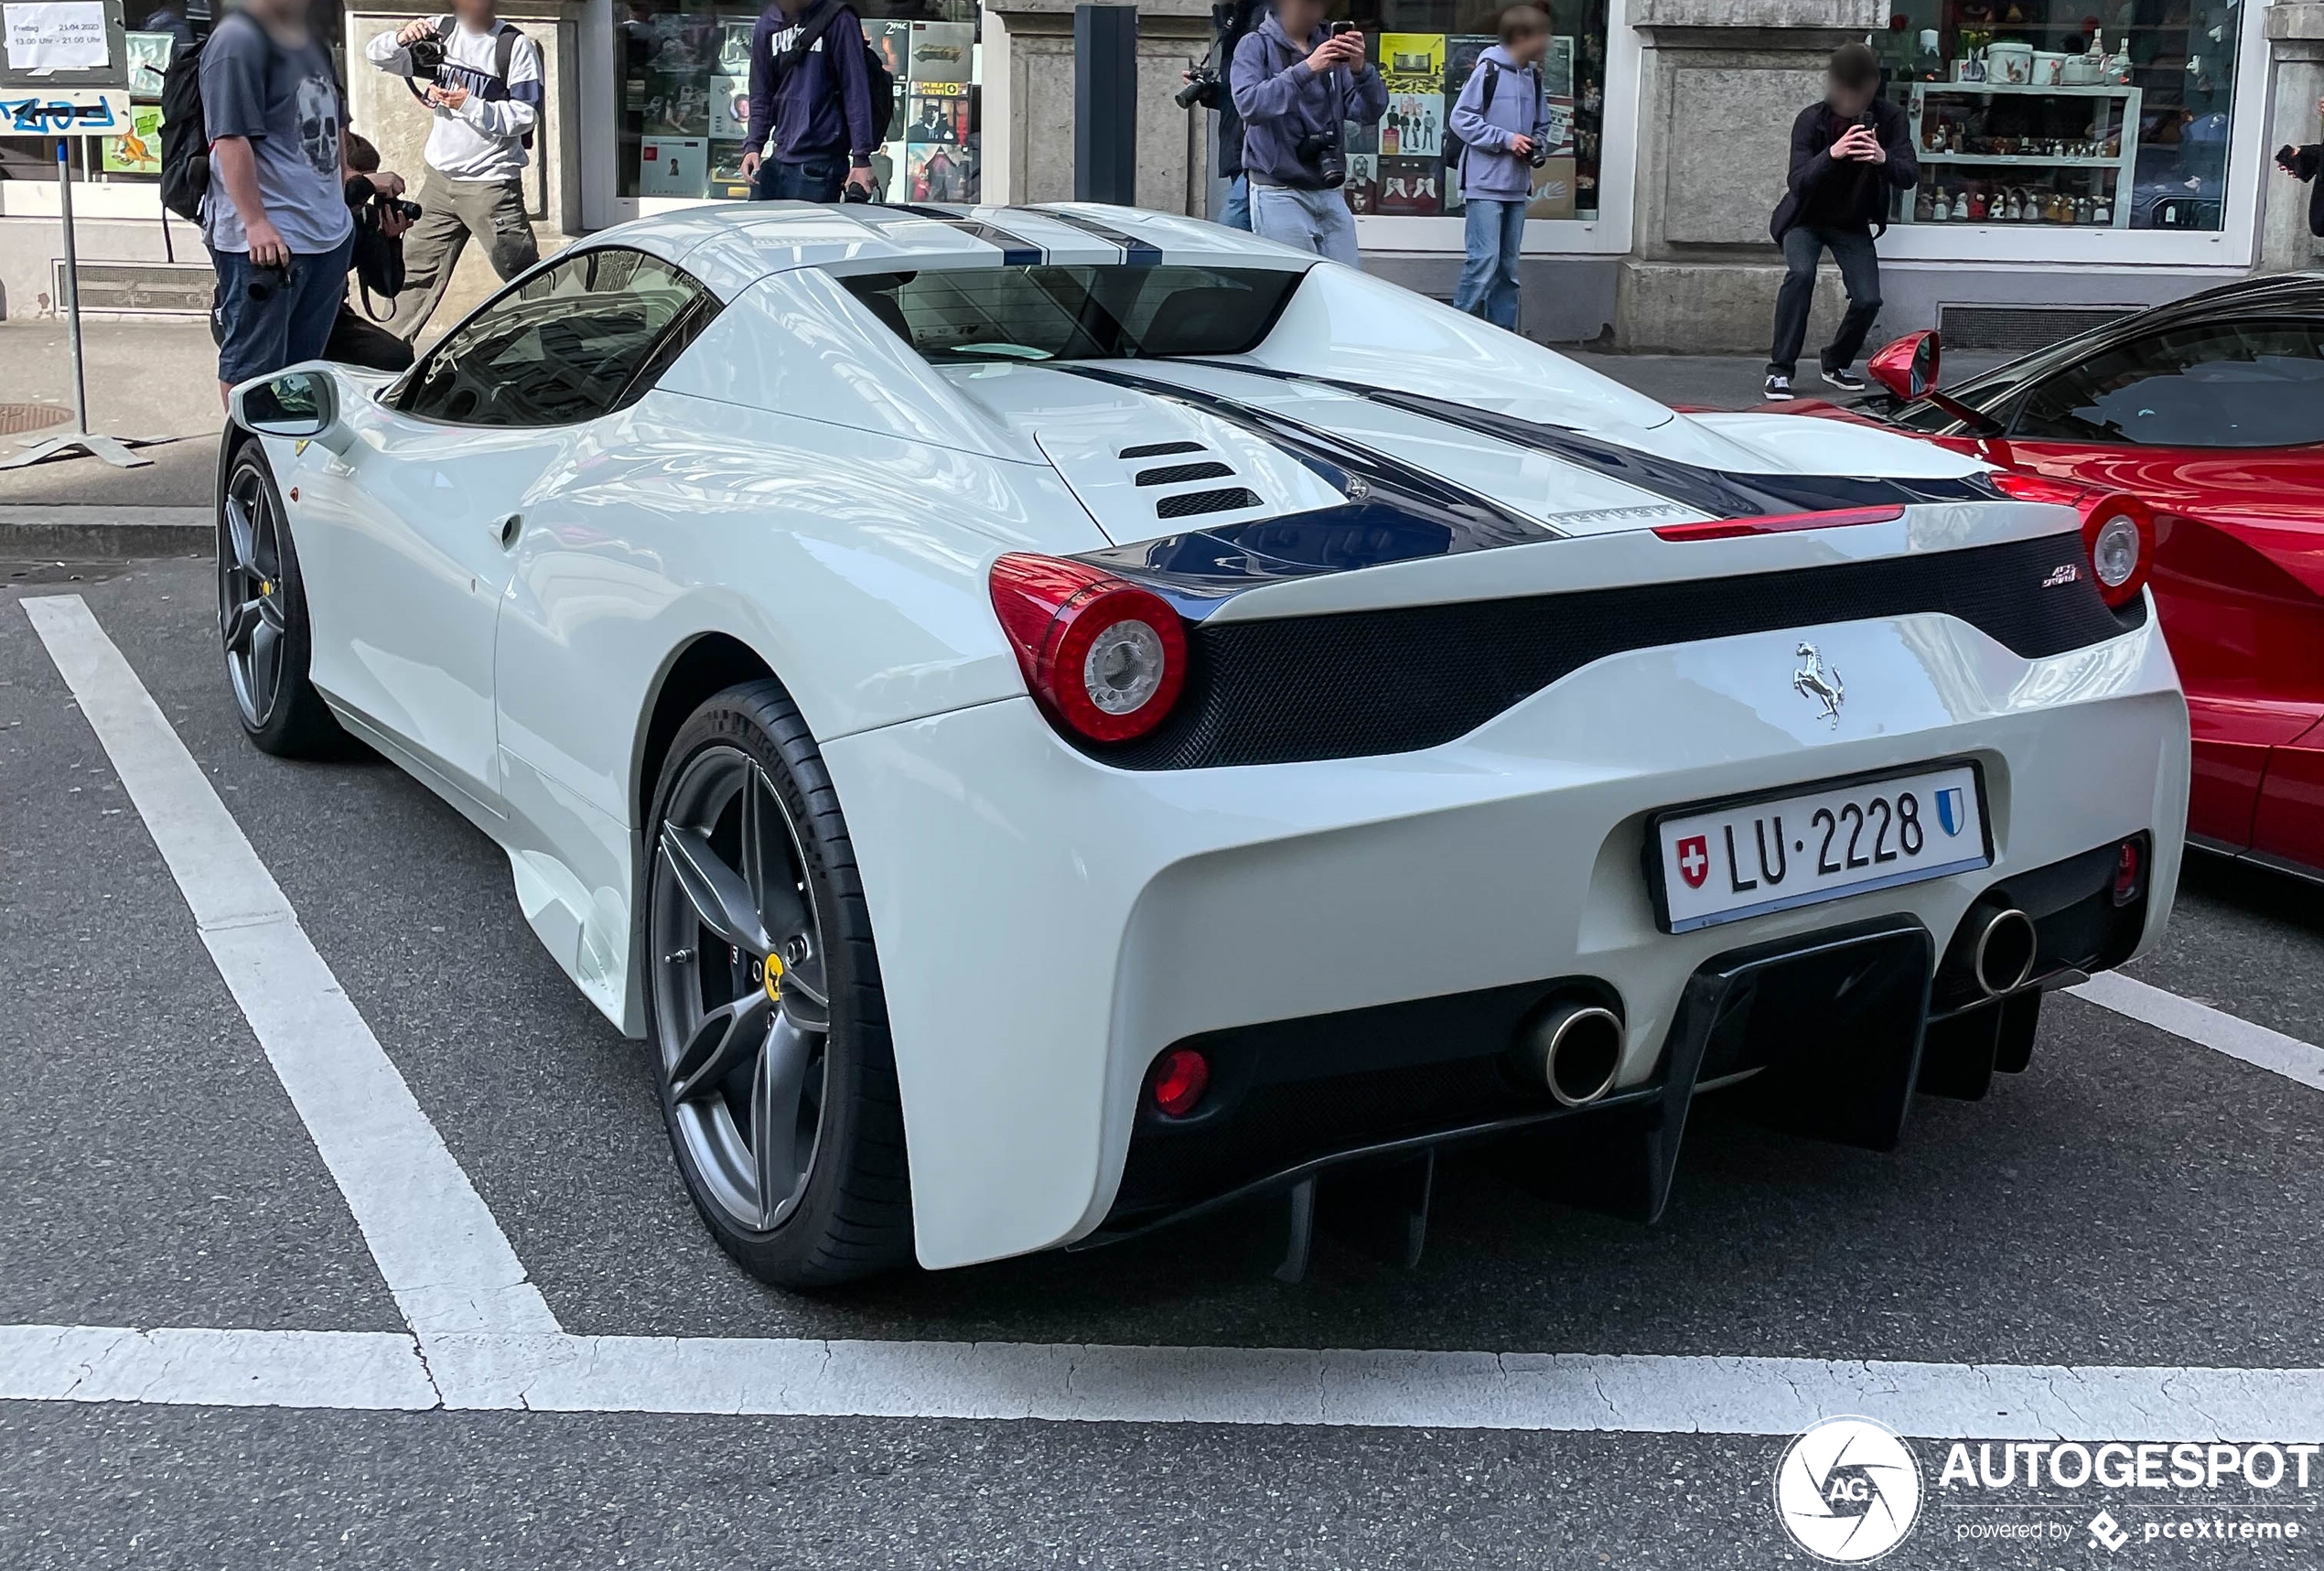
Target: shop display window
[(2112, 113), (685, 99), (1426, 50)]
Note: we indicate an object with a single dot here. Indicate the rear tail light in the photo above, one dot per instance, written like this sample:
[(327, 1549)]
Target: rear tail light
[(1105, 658), (1180, 1077), (2117, 530)]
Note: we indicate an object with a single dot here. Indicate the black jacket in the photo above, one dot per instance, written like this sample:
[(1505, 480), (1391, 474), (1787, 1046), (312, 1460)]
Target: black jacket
[(1860, 190), (2306, 163), (1230, 20)]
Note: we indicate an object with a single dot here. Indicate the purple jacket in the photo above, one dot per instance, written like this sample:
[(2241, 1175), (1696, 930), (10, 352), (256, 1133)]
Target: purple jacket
[(815, 111)]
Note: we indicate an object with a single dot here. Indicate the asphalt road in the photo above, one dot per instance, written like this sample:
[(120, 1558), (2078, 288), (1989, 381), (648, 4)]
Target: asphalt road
[(2136, 1199)]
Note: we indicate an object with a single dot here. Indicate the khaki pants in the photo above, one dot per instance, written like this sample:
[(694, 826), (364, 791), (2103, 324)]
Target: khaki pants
[(492, 211)]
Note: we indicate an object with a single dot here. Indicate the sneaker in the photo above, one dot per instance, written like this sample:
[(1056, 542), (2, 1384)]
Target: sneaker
[(1778, 389), (1844, 379)]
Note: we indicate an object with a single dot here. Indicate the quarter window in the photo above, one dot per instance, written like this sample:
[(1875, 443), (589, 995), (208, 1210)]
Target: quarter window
[(2237, 384), (577, 339)]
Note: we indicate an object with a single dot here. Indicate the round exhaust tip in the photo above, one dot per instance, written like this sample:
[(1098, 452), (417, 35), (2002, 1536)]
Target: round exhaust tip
[(2004, 957), (1575, 1049)]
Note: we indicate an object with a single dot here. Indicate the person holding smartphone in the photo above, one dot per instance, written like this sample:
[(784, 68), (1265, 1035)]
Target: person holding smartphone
[(1296, 83), (1848, 154)]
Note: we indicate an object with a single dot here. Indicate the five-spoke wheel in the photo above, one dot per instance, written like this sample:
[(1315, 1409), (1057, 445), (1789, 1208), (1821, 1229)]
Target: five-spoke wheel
[(262, 616)]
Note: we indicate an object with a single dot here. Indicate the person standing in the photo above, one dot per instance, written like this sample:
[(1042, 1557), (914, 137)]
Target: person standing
[(1296, 85), (1849, 153), (275, 217), (815, 101), (1232, 20), (1503, 121), (486, 96)]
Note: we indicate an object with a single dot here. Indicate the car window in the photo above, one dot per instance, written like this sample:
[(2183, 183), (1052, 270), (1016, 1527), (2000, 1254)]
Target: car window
[(1042, 313), (2234, 384), (575, 340)]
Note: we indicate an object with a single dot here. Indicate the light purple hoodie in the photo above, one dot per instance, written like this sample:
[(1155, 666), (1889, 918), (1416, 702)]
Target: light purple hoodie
[(1488, 170)]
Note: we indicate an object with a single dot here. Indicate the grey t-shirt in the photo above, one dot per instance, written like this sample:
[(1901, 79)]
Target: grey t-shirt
[(286, 100)]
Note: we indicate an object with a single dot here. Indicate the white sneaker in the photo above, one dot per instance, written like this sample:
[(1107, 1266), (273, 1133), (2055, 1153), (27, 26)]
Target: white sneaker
[(1778, 389)]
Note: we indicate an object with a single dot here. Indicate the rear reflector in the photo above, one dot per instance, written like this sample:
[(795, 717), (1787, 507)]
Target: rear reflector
[(1180, 1077), (1779, 523)]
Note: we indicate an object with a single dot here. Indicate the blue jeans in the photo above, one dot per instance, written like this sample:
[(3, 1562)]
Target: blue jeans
[(815, 178), (1236, 214), (1316, 221), (288, 319), (1495, 237)]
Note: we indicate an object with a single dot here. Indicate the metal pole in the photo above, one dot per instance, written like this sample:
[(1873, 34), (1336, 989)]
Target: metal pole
[(71, 288), (1106, 104)]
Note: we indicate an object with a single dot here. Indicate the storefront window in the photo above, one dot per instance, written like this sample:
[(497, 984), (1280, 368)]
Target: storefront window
[(2115, 114), (685, 99), (1426, 50), (156, 29)]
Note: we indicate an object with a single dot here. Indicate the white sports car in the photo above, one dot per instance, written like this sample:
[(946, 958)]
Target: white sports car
[(1054, 720)]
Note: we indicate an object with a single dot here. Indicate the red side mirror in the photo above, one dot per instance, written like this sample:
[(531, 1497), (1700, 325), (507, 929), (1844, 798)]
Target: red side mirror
[(1908, 367)]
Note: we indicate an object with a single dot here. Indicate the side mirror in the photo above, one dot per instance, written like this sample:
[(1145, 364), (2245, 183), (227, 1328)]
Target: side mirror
[(297, 404), (1908, 367)]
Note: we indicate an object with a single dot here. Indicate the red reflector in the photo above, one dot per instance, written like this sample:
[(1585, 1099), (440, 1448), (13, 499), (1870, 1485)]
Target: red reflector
[(2127, 863), (1778, 523), (1180, 1077)]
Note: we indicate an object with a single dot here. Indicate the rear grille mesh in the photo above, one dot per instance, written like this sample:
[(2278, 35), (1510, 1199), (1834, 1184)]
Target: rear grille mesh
[(1359, 683), (1174, 473), (1188, 504), (1158, 449)]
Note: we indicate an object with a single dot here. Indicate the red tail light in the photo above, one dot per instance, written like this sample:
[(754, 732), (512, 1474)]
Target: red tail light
[(1778, 523), (2117, 530), (1105, 658)]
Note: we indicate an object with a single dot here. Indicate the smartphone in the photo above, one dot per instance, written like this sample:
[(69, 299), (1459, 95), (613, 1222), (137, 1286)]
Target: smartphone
[(1339, 27)]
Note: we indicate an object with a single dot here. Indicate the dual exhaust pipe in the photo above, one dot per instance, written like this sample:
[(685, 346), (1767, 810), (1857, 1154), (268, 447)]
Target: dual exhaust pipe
[(1573, 1048)]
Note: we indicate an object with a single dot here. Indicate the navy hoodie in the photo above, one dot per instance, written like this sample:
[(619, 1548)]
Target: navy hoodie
[(815, 111)]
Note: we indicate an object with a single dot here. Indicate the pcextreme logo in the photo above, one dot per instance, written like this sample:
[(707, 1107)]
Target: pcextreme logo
[(1847, 1490)]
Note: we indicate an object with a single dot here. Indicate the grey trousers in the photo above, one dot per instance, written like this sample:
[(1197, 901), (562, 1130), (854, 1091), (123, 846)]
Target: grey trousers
[(492, 211)]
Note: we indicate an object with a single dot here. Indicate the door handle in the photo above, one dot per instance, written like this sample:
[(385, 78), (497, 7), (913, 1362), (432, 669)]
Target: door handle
[(506, 528)]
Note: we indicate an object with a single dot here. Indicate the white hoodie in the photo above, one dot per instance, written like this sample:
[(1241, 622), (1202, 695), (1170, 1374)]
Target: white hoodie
[(484, 138)]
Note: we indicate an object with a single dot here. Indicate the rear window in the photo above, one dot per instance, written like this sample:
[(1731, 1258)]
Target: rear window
[(1077, 313)]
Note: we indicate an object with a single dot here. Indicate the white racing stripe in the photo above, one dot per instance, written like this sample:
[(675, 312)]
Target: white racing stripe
[(993, 1381), (486, 1340), (2206, 1026), (443, 1255)]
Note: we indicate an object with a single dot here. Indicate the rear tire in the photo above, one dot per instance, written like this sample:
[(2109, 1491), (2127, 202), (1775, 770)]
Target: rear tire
[(261, 619), (779, 1091)]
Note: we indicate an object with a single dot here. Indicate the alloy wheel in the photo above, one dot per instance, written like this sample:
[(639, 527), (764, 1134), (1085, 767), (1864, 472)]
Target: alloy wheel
[(742, 1006), (253, 601)]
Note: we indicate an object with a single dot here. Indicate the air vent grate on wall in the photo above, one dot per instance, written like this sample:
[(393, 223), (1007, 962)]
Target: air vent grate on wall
[(1174, 474), (141, 288), (2020, 330), (1187, 503), (1158, 449)]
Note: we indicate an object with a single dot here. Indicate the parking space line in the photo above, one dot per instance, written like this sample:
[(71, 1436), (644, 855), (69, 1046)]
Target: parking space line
[(436, 1245), (2206, 1026), (1602, 1393)]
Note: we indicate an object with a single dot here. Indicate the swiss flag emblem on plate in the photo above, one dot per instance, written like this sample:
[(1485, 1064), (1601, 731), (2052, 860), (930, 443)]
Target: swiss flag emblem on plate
[(1694, 860)]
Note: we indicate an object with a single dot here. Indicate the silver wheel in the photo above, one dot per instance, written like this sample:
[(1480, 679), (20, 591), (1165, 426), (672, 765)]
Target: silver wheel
[(741, 1004), (253, 615)]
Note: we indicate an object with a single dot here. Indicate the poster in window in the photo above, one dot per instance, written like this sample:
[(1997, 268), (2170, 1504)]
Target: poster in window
[(939, 173), (1557, 113), (891, 41), (1410, 187), (677, 103), (1362, 189), (1462, 51), (136, 151), (938, 114), (730, 108), (1553, 191), (1414, 126), (734, 46), (888, 172), (726, 171), (942, 51), (1412, 60), (148, 59), (673, 167), (1557, 67)]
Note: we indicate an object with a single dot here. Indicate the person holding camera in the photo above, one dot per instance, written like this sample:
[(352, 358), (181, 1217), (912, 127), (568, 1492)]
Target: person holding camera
[(1503, 123), (483, 80), (810, 90), (276, 216), (1849, 153), (1231, 21), (1296, 83)]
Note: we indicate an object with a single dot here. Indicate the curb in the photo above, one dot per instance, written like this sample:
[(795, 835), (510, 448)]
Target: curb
[(83, 533)]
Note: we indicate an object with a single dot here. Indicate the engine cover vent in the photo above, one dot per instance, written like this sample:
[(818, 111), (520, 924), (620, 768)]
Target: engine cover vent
[(1188, 504), (1178, 474), (2020, 329), (1159, 449)]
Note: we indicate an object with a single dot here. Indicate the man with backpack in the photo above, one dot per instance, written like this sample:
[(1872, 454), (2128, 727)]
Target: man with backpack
[(1499, 126), (252, 144), (483, 80), (813, 79)]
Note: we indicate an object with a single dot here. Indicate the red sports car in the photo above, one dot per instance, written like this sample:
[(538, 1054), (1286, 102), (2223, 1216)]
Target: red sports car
[(2211, 411)]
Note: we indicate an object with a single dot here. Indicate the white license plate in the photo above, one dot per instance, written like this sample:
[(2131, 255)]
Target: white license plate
[(1745, 858)]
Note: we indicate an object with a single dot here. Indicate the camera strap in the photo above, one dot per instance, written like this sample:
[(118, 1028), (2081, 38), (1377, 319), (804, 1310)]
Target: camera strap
[(812, 28)]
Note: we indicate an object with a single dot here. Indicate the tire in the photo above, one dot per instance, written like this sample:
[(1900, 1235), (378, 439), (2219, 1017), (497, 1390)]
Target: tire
[(261, 619), (782, 1105)]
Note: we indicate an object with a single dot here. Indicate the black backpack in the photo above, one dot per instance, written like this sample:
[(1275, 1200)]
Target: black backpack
[(504, 44), (1454, 148), (878, 79), (185, 143)]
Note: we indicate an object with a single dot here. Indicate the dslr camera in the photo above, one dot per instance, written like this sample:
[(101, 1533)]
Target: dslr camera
[(1322, 153), (427, 57), (369, 203), (1202, 87)]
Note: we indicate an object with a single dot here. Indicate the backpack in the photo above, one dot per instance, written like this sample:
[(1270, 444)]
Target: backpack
[(1454, 148), (184, 142), (504, 44), (879, 81)]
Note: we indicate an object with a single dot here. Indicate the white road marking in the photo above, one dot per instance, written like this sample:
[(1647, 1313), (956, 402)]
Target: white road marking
[(440, 1249), (486, 1339), (2206, 1026), (1568, 1392)]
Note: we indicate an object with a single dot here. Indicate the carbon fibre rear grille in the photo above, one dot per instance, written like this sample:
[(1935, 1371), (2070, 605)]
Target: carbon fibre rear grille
[(1360, 683), (1186, 504), (1158, 449), (1178, 474)]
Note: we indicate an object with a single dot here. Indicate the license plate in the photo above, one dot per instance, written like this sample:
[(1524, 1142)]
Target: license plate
[(1723, 863)]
